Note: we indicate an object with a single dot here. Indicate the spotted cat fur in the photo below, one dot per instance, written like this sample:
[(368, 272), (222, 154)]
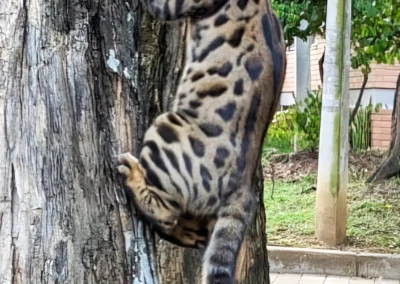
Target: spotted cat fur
[(193, 179)]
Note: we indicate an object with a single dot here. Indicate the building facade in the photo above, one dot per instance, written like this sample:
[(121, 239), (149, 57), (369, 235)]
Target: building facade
[(380, 87)]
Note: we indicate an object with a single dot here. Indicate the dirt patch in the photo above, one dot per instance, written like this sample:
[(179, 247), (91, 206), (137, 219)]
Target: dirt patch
[(294, 166)]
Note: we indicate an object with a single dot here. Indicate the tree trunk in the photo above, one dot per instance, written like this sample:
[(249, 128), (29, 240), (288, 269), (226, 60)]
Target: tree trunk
[(79, 83), (321, 67), (391, 166), (359, 99)]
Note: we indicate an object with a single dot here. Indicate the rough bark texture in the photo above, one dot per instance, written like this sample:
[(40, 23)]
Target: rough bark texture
[(79, 83), (391, 166)]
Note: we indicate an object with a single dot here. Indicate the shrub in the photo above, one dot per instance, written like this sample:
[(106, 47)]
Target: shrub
[(360, 129), (280, 133), (306, 120), (302, 120)]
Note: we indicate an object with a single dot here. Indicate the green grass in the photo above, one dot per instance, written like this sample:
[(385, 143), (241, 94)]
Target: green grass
[(281, 145), (373, 219), (290, 210)]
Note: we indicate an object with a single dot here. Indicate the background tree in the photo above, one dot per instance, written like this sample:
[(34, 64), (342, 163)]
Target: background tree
[(80, 81), (291, 13), (374, 33), (391, 166), (375, 37)]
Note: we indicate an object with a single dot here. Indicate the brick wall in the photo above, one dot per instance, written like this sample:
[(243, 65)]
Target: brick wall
[(381, 129), (288, 85), (316, 51), (382, 76)]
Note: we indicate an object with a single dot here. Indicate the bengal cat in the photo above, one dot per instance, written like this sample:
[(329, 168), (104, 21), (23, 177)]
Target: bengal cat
[(193, 180)]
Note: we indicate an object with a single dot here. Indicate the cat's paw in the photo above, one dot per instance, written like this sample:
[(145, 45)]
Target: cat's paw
[(130, 170)]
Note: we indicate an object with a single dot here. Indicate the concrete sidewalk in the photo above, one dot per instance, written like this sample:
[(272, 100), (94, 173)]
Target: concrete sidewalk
[(334, 262), (323, 279)]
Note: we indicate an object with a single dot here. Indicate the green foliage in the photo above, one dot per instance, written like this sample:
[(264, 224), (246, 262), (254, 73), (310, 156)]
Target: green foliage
[(300, 120), (291, 13), (280, 133), (375, 31), (306, 120), (303, 121), (360, 129)]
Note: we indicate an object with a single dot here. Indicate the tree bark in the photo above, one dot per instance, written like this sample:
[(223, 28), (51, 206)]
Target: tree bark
[(391, 165), (80, 81), (359, 99), (321, 67)]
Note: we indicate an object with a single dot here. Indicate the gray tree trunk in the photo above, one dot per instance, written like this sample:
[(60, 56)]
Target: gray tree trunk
[(390, 167), (80, 81)]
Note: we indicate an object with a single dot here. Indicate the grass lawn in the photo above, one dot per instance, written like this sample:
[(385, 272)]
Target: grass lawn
[(373, 214)]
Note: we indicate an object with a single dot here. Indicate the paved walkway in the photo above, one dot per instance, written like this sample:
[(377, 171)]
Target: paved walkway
[(323, 279)]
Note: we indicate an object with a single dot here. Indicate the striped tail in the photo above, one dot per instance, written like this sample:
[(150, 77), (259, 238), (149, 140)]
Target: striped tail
[(220, 257)]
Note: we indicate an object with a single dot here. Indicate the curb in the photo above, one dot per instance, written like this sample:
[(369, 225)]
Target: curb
[(333, 262)]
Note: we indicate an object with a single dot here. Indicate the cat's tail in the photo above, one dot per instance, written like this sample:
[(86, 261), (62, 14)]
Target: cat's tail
[(220, 257)]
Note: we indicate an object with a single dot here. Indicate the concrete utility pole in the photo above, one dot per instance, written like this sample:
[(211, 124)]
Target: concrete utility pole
[(303, 77), (333, 150)]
